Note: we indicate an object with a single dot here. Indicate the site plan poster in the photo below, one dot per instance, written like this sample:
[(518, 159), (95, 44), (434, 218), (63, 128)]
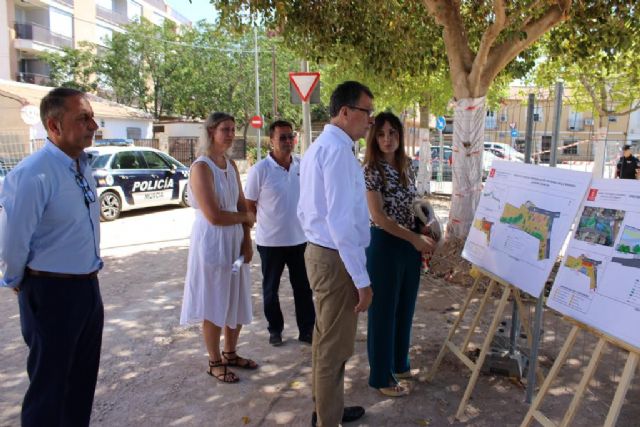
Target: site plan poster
[(598, 282), (522, 220)]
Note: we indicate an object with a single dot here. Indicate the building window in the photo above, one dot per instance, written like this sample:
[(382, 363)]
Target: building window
[(134, 133), (538, 115), (575, 121), (570, 150), (134, 10), (103, 35), (490, 122), (61, 22), (105, 4), (157, 19)]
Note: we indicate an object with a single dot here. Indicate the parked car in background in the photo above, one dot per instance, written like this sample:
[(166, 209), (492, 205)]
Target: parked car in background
[(504, 151), (447, 154), (129, 177)]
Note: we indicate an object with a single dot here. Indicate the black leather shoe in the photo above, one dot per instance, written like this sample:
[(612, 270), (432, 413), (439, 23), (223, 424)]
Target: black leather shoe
[(275, 339), (306, 337), (350, 413)]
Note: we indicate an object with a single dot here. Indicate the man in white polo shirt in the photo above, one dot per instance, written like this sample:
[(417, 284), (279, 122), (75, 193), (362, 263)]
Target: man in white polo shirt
[(272, 192)]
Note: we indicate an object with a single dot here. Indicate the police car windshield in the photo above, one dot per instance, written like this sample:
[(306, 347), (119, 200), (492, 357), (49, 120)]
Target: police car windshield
[(172, 161), (99, 162)]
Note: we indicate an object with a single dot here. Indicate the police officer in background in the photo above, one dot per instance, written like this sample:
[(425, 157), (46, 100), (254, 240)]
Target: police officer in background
[(50, 249), (272, 192), (627, 165)]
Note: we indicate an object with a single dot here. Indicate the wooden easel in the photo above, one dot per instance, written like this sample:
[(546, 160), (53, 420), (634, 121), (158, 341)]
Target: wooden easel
[(621, 391), (459, 352)]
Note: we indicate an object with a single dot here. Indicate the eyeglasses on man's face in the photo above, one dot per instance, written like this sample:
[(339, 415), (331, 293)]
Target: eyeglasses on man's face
[(89, 196), (369, 113), (286, 137)]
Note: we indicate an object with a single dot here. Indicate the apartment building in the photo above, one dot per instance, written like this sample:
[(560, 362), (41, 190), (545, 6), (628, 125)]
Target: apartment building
[(36, 26), (578, 129)]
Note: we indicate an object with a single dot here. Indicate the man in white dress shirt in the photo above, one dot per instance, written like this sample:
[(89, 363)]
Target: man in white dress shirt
[(272, 191), (334, 216)]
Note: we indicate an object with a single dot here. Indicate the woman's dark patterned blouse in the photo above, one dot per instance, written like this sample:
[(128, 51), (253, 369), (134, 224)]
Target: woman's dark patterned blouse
[(397, 198)]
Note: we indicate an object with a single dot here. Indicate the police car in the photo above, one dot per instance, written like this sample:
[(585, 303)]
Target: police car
[(129, 177)]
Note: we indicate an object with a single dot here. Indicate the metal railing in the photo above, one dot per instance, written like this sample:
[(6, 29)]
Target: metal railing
[(38, 33), (33, 78), (183, 149), (111, 16), (151, 143)]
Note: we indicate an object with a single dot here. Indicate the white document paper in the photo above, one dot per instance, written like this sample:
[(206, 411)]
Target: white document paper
[(598, 282), (523, 218)]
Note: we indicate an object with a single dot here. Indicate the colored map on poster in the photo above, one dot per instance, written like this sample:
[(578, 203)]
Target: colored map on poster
[(484, 226), (599, 225), (532, 220), (586, 266)]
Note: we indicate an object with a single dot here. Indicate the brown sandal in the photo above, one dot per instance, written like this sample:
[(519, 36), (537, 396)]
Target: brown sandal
[(226, 376), (239, 362)]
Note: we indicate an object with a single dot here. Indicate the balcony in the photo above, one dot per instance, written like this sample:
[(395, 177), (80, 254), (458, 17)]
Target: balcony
[(40, 34), (111, 16), (33, 78), (68, 3)]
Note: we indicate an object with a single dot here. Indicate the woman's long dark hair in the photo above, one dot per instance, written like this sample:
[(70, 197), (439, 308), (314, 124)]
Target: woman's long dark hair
[(373, 156)]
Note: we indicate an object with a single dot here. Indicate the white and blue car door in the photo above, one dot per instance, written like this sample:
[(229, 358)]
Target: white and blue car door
[(160, 186), (130, 173)]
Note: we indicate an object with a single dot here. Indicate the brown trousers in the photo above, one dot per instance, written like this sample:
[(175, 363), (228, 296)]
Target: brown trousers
[(335, 330)]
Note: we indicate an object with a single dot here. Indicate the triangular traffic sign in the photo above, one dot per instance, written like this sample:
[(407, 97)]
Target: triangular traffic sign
[(304, 83)]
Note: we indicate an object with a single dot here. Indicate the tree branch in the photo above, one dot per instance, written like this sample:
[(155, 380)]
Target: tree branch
[(488, 38), (447, 14), (592, 94), (500, 55)]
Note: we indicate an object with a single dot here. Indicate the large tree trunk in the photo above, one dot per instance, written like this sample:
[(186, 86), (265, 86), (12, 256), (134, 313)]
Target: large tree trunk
[(468, 139)]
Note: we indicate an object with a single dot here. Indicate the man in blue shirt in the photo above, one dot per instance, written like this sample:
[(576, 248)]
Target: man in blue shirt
[(50, 252)]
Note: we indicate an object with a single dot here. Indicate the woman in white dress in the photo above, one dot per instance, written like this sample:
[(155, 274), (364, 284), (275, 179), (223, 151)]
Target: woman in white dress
[(215, 293)]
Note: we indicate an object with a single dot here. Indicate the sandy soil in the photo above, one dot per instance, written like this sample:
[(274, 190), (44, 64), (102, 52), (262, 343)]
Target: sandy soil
[(153, 371)]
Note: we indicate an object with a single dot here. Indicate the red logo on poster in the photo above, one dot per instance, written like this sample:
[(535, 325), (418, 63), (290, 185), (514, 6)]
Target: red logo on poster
[(492, 172), (593, 192)]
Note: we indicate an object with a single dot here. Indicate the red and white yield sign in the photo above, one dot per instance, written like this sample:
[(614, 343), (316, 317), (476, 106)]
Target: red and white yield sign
[(256, 122), (304, 83)]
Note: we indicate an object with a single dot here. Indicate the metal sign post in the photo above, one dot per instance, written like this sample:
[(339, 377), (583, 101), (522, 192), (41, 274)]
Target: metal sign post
[(441, 122)]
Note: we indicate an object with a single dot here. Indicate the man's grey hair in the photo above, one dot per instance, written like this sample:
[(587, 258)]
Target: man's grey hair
[(52, 105)]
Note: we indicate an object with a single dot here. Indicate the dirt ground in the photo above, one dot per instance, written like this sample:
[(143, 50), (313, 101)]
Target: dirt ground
[(152, 370)]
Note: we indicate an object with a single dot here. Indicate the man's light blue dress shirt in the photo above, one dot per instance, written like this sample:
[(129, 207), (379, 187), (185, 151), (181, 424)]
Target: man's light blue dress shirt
[(45, 224)]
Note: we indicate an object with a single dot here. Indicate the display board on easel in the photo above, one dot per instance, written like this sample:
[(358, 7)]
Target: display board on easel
[(522, 220), (598, 285), (598, 282)]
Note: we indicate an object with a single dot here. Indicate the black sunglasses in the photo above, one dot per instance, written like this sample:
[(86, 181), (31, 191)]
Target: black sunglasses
[(287, 136), (89, 196)]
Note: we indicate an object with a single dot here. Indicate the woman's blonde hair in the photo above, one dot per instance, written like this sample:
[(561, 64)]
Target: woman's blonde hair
[(213, 121)]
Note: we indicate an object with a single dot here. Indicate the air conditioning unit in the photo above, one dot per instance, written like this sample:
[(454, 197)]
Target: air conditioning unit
[(588, 122), (613, 119), (503, 118)]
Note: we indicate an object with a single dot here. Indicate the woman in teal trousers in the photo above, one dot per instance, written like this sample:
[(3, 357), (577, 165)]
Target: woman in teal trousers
[(394, 255)]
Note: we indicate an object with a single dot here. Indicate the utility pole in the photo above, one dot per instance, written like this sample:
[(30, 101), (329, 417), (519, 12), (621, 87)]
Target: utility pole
[(274, 82), (553, 155), (528, 137), (258, 143)]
